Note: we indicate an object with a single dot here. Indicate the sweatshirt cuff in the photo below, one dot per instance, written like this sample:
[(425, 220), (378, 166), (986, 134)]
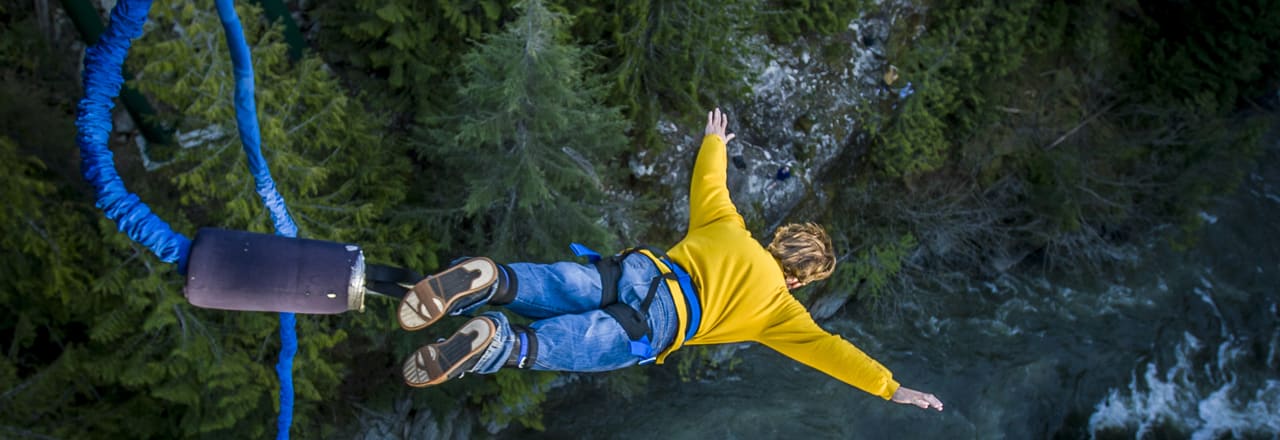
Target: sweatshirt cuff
[(889, 389)]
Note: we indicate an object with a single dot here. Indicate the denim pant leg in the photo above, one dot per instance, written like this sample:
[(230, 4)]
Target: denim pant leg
[(590, 341), (546, 290), (584, 342)]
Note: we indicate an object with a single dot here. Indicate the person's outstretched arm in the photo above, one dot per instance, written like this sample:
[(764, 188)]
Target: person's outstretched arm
[(797, 336), (708, 189)]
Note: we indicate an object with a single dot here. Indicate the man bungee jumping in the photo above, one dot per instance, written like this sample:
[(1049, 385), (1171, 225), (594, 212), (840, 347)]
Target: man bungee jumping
[(716, 286)]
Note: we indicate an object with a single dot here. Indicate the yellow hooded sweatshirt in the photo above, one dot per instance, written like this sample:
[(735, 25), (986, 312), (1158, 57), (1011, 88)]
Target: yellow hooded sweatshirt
[(742, 291)]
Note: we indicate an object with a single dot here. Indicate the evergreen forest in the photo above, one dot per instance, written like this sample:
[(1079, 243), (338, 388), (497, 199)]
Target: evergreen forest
[(936, 139)]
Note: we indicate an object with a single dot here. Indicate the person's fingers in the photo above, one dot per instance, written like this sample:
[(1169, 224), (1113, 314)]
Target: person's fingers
[(718, 123), (933, 401)]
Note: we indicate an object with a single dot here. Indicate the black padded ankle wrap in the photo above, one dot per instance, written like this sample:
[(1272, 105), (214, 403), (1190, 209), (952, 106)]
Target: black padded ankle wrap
[(506, 287), (521, 357)]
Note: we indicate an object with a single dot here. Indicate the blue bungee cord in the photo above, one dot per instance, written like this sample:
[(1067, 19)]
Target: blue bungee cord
[(251, 139), (247, 120), (102, 81)]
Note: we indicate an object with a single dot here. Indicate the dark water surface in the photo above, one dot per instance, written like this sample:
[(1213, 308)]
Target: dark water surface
[(1185, 345)]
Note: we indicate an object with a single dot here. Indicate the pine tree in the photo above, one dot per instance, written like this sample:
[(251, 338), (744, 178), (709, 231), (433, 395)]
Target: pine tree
[(528, 137), (518, 171), (668, 57)]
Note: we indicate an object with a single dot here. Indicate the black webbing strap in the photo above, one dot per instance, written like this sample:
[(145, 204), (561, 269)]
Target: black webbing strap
[(610, 269), (636, 322), (632, 321), (525, 350), (507, 287), (390, 281)]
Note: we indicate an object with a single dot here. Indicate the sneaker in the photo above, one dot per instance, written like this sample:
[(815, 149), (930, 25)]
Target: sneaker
[(435, 363), (444, 293)]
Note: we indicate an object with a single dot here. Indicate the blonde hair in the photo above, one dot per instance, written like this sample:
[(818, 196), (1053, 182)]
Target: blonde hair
[(804, 250)]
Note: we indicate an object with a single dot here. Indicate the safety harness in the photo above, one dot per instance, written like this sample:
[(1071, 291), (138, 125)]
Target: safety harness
[(635, 322)]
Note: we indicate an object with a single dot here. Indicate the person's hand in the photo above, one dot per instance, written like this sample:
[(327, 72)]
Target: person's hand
[(908, 396), (717, 122)]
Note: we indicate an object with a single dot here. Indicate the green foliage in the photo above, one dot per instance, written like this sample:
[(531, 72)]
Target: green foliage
[(22, 48), (702, 362), (677, 56), (514, 396), (870, 270), (1098, 156), (27, 188), (100, 334), (1053, 131), (331, 162), (785, 20), (77, 363), (412, 45), (32, 80), (667, 57), (1198, 71), (528, 139), (916, 142), (105, 346), (626, 383), (952, 70), (1214, 55), (339, 174)]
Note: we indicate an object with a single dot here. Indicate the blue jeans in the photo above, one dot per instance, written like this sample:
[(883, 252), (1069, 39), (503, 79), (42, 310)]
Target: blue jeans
[(573, 333)]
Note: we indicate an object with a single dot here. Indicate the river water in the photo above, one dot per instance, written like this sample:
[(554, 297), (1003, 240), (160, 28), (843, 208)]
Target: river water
[(1182, 345)]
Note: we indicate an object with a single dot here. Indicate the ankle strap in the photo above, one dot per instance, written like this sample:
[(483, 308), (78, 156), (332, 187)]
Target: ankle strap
[(524, 352), (505, 290)]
